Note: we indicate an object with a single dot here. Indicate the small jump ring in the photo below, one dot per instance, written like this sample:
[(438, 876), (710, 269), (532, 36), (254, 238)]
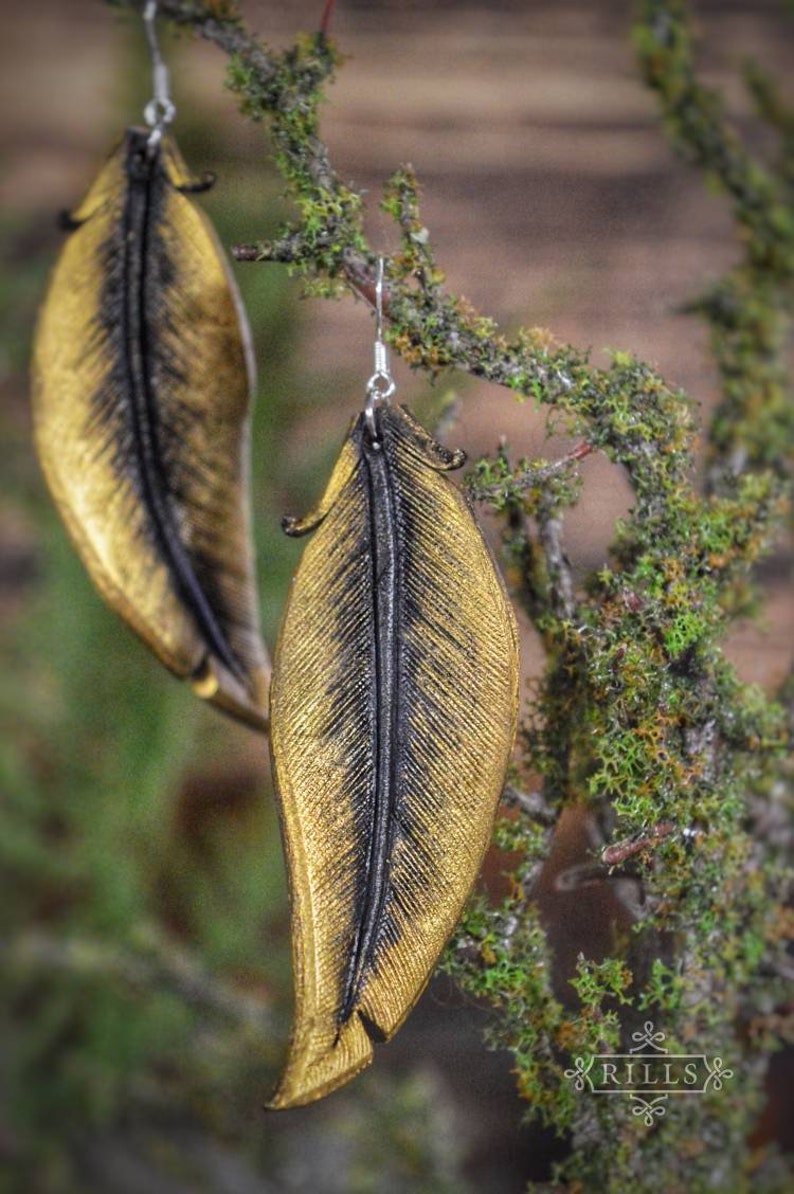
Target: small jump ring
[(381, 385), (380, 388), (159, 112)]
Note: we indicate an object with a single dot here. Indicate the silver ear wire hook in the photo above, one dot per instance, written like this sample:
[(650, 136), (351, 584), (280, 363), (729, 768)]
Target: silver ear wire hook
[(160, 110), (380, 386)]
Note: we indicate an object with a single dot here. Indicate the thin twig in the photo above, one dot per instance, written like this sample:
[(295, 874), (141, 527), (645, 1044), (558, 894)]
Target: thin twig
[(618, 852), (531, 804), (157, 965), (533, 477), (560, 587)]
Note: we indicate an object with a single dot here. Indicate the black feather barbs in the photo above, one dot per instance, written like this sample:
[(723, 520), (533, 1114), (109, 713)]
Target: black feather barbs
[(142, 379), (394, 697), (393, 711)]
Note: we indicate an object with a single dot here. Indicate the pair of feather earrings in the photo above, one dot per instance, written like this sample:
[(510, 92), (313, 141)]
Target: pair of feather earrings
[(394, 694)]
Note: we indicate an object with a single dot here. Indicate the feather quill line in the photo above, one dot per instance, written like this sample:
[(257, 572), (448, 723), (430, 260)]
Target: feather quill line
[(386, 595), (137, 227)]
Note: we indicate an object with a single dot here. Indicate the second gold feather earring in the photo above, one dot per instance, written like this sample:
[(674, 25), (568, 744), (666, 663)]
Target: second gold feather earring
[(393, 712), (142, 379)]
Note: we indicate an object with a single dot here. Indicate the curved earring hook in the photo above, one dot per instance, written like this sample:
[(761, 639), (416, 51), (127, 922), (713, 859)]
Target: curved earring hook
[(160, 110), (380, 386)]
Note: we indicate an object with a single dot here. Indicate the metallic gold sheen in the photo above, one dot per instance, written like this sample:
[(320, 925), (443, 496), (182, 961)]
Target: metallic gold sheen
[(142, 377), (395, 688)]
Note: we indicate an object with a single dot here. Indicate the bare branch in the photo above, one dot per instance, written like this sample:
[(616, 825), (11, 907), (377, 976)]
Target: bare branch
[(531, 804), (156, 965)]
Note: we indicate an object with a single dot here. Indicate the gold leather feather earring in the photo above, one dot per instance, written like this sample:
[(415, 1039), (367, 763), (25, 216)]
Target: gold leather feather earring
[(142, 380), (393, 712)]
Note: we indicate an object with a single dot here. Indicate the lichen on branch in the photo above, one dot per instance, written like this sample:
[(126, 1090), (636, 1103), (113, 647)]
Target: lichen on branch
[(638, 718)]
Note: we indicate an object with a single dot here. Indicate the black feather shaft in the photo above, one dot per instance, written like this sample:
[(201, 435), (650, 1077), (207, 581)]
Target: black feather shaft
[(145, 177), (386, 595)]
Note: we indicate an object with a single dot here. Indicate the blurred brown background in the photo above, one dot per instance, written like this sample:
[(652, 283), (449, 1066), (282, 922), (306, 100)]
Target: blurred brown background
[(552, 199), (549, 190)]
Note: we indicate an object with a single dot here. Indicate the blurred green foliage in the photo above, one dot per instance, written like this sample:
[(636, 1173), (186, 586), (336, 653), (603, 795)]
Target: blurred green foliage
[(144, 938), (127, 826), (144, 866)]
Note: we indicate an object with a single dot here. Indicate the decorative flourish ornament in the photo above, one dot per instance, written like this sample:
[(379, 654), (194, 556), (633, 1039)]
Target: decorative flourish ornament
[(142, 376), (393, 712)]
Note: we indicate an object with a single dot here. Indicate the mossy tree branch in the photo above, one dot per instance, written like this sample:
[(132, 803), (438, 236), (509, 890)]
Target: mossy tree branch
[(749, 311), (638, 714)]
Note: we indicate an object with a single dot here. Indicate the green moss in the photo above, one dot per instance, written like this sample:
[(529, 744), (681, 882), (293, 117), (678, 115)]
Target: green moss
[(637, 716), (288, 94)]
